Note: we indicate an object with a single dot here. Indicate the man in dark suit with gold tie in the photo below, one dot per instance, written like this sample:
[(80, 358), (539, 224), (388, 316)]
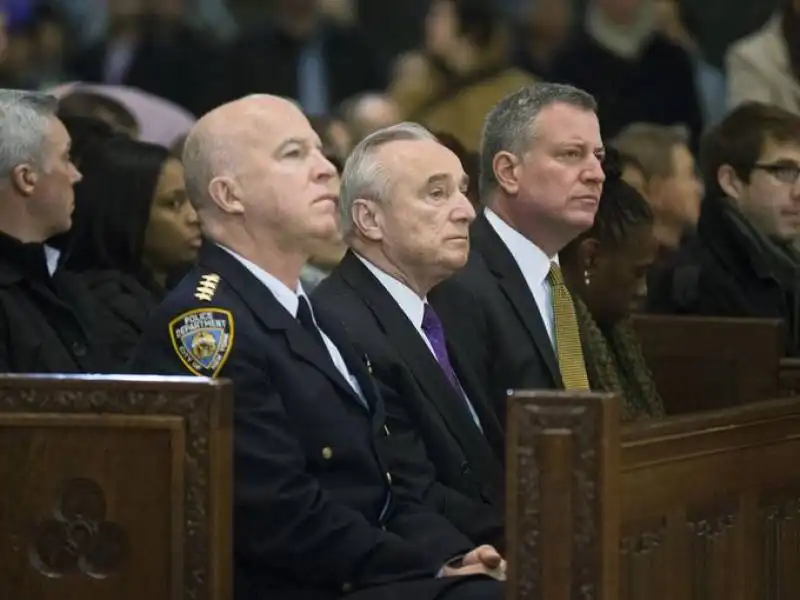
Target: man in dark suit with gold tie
[(540, 182), (406, 218), (316, 514)]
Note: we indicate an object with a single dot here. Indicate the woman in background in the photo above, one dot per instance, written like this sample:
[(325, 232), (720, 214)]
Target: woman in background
[(606, 270), (136, 228)]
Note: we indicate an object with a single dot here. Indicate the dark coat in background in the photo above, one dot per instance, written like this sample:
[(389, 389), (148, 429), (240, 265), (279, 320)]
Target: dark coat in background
[(658, 87), (266, 61), (720, 272), (45, 320)]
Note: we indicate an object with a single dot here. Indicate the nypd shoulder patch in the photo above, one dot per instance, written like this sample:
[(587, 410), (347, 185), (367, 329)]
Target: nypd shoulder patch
[(203, 339)]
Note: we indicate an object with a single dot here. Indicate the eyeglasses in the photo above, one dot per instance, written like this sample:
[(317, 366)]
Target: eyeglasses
[(783, 172)]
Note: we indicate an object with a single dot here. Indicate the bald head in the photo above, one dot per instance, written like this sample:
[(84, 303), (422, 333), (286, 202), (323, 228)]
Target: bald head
[(256, 174), (370, 112), (219, 143)]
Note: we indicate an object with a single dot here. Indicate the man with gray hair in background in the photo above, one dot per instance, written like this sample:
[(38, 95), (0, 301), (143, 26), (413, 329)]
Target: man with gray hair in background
[(672, 184), (540, 181), (406, 218), (43, 311), (316, 513)]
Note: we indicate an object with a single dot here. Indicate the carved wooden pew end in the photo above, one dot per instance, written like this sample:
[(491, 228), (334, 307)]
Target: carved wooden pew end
[(115, 488)]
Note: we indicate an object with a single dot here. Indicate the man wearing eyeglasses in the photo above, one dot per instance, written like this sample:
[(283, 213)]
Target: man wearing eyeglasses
[(743, 261)]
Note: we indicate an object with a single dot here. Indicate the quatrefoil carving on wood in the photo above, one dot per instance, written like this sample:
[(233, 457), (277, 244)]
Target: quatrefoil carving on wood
[(78, 538)]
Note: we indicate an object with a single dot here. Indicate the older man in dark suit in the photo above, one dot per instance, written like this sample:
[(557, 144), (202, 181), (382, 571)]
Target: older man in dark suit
[(408, 229), (316, 515), (540, 181)]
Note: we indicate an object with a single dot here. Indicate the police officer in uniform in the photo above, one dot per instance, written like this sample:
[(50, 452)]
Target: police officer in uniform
[(315, 513), (44, 313)]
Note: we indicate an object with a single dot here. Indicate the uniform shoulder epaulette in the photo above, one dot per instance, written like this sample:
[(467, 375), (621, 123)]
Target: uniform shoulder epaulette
[(207, 287)]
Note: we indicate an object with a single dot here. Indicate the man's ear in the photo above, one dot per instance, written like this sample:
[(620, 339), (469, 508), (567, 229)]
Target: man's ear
[(506, 171), (225, 192), (729, 182), (367, 219), (24, 179)]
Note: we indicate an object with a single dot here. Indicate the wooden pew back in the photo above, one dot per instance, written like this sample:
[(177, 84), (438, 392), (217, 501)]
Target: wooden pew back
[(707, 363), (703, 506), (562, 509), (115, 489), (789, 377), (710, 505)]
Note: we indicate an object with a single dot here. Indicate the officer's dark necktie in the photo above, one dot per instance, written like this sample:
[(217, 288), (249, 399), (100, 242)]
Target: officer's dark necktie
[(306, 318)]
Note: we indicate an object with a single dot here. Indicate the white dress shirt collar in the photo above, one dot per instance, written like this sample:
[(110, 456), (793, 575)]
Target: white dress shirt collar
[(532, 261), (283, 294), (51, 256), (290, 301), (409, 301)]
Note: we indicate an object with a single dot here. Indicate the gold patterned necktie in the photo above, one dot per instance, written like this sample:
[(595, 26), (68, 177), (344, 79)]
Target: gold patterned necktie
[(568, 340)]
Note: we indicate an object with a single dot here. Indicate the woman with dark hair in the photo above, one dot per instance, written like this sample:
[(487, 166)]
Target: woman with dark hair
[(606, 270), (86, 134), (135, 229)]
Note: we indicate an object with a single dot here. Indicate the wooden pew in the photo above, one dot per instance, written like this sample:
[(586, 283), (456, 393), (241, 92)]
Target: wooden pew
[(562, 508), (706, 363), (703, 506), (115, 488), (789, 377)]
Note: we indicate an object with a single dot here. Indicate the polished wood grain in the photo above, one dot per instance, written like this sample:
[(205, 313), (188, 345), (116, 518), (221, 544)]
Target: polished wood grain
[(115, 488), (699, 507), (706, 363)]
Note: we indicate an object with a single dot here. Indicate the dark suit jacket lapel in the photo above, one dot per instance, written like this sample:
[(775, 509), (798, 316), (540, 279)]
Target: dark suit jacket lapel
[(272, 314), (500, 262), (412, 349), (492, 430), (356, 360)]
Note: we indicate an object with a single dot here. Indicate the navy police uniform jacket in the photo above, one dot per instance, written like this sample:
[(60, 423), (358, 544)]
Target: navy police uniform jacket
[(314, 512)]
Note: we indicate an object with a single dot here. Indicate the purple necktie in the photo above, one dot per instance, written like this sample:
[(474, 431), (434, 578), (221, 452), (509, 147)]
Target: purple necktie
[(434, 331)]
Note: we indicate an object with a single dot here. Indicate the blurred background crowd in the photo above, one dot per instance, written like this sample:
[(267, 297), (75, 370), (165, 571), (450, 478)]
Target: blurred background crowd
[(132, 76), (442, 62)]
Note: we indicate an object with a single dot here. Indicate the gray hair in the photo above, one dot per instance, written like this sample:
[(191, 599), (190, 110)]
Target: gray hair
[(24, 127), (509, 125), (364, 177)]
